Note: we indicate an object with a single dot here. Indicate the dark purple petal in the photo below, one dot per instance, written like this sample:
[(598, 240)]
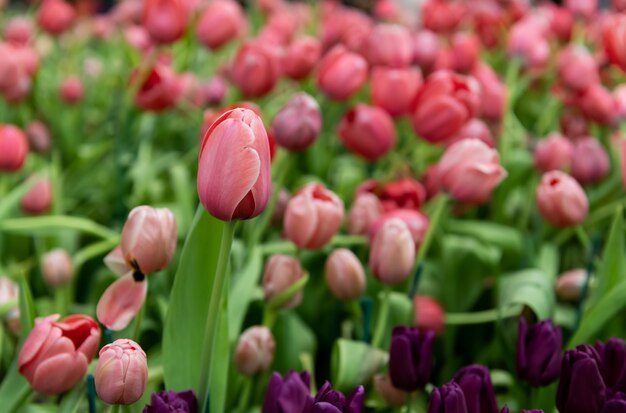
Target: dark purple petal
[(581, 388), (295, 396), (270, 404), (354, 403), (324, 407), (476, 384), (401, 370)]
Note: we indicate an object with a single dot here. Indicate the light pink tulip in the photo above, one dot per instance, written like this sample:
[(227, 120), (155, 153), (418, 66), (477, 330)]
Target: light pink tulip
[(345, 275), (368, 131), (221, 22), (590, 161), (116, 262), (341, 73), (56, 16), (392, 252), (301, 57), (576, 68), (554, 152), (39, 136), (394, 90), (492, 92), (19, 31), (389, 45), (13, 148), (426, 49), (121, 302), (569, 284), (255, 351), (165, 20), (416, 222), (71, 90), (561, 200), (57, 268), (255, 69), (38, 200), (298, 124), (122, 372), (281, 272), (364, 212)]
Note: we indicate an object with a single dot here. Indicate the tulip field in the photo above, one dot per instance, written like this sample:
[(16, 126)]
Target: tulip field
[(275, 206)]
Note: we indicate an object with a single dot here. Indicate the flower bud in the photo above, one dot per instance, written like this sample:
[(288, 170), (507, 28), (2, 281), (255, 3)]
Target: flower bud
[(590, 161), (38, 200), (576, 68), (292, 391), (416, 222), (561, 200), (55, 16), (426, 49), (367, 131), (597, 104), (449, 398), (313, 216), (255, 69), (492, 92), (19, 31), (474, 128), (410, 358), (364, 212), (170, 401), (165, 20), (215, 90), (581, 387), (465, 51), (569, 284), (479, 394), (221, 22), (442, 16), (13, 148), (39, 136), (281, 272), (345, 275), (391, 395), (57, 267), (613, 40), (392, 252), (301, 57), (122, 372), (395, 89), (341, 73), (389, 45), (160, 89), (71, 90), (298, 124), (428, 314), (255, 351), (9, 291), (539, 352), (554, 153)]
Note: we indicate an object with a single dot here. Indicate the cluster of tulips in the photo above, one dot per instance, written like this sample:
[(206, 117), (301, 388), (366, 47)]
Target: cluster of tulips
[(418, 206)]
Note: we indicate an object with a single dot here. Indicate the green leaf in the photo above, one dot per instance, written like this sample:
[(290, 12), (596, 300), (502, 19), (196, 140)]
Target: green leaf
[(220, 364), (27, 308), (293, 338), (242, 291), (73, 400), (613, 260), (189, 303), (288, 293), (508, 239), (531, 287), (13, 198), (14, 390), (354, 363)]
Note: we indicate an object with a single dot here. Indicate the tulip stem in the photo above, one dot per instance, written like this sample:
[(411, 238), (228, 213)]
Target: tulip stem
[(244, 397), (137, 325), (381, 322), (217, 295)]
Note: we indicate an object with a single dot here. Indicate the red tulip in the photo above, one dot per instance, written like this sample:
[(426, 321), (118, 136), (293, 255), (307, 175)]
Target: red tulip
[(38, 200), (255, 69), (19, 31), (13, 148), (597, 104), (71, 90), (554, 152), (590, 161), (165, 20), (367, 131), (576, 68), (492, 92), (301, 56), (586, 9), (160, 89), (574, 125), (426, 46), (390, 45), (465, 51), (341, 73), (221, 22), (394, 89), (614, 40), (561, 200), (428, 314), (55, 16), (561, 21), (490, 22), (442, 15), (474, 128)]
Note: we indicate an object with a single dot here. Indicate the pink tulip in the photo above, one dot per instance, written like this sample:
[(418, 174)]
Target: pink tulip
[(116, 262), (428, 314), (395, 89), (56, 354), (561, 21), (149, 239), (281, 272), (55, 16), (38, 200), (574, 125), (416, 222), (234, 178), (492, 92), (367, 131), (426, 47), (528, 43), (590, 161), (122, 372), (474, 128), (71, 90), (121, 302), (19, 31), (298, 124), (139, 38), (165, 20), (254, 353), (597, 104), (613, 40), (561, 200), (341, 73), (469, 170), (221, 22), (215, 90), (392, 252), (38, 136), (490, 21), (160, 89), (57, 268), (13, 148), (576, 68), (345, 275), (9, 294), (255, 69), (442, 15), (301, 57), (586, 9), (389, 45), (465, 51), (364, 212), (313, 216), (570, 284), (554, 152)]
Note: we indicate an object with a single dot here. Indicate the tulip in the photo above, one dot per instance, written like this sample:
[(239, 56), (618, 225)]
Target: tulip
[(364, 212), (469, 170), (38, 136), (569, 285), (160, 89), (116, 262), (290, 394), (476, 384), (149, 239), (19, 31), (139, 38), (221, 22), (165, 20), (465, 51), (345, 275), (573, 125), (341, 73), (9, 294), (234, 166), (278, 215), (255, 69), (613, 40), (410, 358), (71, 90), (331, 401), (255, 351), (395, 89), (561, 21), (581, 388), (590, 161), (586, 9), (55, 16), (298, 124), (492, 92), (539, 352), (301, 57), (597, 104), (474, 128), (416, 222), (554, 153), (616, 404), (368, 131), (442, 15), (57, 268), (122, 372), (121, 302), (38, 200), (490, 22), (170, 401), (561, 200), (281, 272), (527, 42), (426, 49), (13, 148), (56, 354), (313, 216), (391, 395), (215, 90), (392, 252), (405, 193), (612, 363), (443, 105), (389, 45), (449, 398), (576, 68), (428, 314)]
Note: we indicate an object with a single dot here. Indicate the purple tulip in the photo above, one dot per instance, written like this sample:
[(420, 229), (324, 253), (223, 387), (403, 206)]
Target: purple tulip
[(539, 352), (476, 384), (449, 398), (615, 404), (410, 358), (289, 395), (581, 388), (170, 401), (613, 363), (328, 400)]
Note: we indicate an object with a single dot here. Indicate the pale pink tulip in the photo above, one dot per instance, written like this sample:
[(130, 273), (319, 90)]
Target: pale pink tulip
[(121, 302), (122, 372)]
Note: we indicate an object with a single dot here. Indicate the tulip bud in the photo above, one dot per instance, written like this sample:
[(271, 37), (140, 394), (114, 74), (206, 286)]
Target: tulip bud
[(612, 363), (160, 89), (391, 395), (170, 401), (149, 239), (301, 57), (613, 40), (57, 267), (528, 43), (576, 68), (392, 252), (426, 49), (389, 45), (215, 90), (554, 153), (569, 285), (416, 222), (56, 354), (38, 200), (255, 69), (255, 351), (364, 212), (139, 38), (329, 400), (71, 90), (585, 9), (395, 89), (293, 390), (474, 128), (298, 124), (428, 314), (341, 73), (165, 20), (479, 394), (122, 372), (281, 272), (492, 92), (38, 136), (573, 125), (561, 200), (368, 131), (597, 104), (442, 16), (410, 358), (313, 216), (55, 16), (13, 148), (345, 275), (465, 51), (539, 352), (590, 161), (19, 31), (221, 22), (581, 388), (449, 398), (234, 179)]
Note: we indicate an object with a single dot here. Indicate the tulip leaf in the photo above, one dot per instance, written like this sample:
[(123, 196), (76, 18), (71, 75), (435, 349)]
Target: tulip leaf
[(73, 400), (13, 198), (220, 363), (354, 363), (242, 292), (502, 236), (14, 390), (613, 260), (288, 293), (27, 308), (293, 338), (530, 287), (183, 332)]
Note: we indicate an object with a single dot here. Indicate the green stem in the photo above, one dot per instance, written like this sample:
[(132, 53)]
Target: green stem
[(52, 222), (244, 398), (383, 315), (62, 298), (137, 326), (269, 316), (217, 295), (287, 247), (583, 237), (481, 317), (435, 220), (94, 250)]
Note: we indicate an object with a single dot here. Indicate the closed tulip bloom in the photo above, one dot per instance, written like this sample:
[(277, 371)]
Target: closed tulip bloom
[(554, 153), (159, 91), (328, 400), (255, 69), (391, 395), (281, 272), (165, 20), (301, 56), (57, 268), (465, 51), (221, 22), (290, 394), (448, 398), (298, 124), (149, 239), (55, 16), (469, 170), (56, 354), (121, 302), (364, 212), (390, 45), (19, 30), (394, 89), (561, 200), (345, 275), (392, 252), (38, 200), (576, 68), (569, 285), (255, 351), (492, 92), (597, 104), (528, 43), (38, 136), (169, 401), (122, 372), (539, 352), (428, 314), (341, 73), (410, 358), (313, 216), (475, 382), (474, 128), (426, 46), (442, 16), (13, 148), (615, 404), (590, 161), (445, 102), (71, 90), (581, 388), (574, 125), (613, 40), (612, 363), (234, 177), (416, 222), (367, 131), (586, 9)]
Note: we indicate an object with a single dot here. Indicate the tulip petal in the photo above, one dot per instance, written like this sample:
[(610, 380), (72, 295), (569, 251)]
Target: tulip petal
[(60, 373), (121, 302)]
